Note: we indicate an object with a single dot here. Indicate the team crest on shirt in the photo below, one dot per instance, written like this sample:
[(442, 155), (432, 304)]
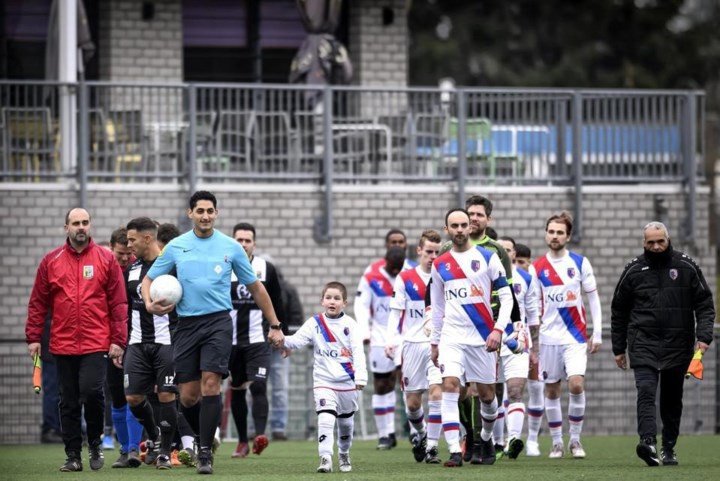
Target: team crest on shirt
[(88, 272), (571, 272), (546, 272), (346, 331), (323, 402), (518, 289), (218, 269), (475, 265), (442, 368), (673, 274)]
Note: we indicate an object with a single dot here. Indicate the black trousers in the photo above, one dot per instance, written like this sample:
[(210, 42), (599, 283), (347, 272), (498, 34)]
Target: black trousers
[(80, 381), (671, 393)]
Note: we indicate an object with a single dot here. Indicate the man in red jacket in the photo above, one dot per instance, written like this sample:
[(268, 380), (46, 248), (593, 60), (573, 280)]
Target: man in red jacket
[(82, 285)]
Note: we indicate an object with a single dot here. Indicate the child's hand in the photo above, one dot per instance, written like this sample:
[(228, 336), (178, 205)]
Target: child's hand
[(359, 387)]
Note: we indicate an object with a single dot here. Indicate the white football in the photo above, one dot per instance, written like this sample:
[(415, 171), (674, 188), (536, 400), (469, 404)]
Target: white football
[(516, 342), (166, 287)]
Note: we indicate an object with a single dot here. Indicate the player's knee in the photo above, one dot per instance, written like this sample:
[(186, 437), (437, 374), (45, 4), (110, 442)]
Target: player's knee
[(166, 397), (134, 399), (576, 384), (258, 388), (515, 394)]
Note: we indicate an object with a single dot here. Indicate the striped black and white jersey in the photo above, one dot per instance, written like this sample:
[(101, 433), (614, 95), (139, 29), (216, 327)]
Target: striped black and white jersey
[(249, 324), (144, 327)]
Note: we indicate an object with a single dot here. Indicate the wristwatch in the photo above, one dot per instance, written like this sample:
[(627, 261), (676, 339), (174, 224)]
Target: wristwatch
[(277, 327)]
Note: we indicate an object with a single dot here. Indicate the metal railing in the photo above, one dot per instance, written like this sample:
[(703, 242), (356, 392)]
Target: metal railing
[(190, 133)]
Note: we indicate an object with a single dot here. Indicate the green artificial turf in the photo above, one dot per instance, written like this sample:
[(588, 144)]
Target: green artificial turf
[(608, 458)]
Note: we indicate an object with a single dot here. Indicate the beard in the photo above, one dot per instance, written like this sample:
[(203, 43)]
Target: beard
[(80, 238), (459, 240), (556, 246)]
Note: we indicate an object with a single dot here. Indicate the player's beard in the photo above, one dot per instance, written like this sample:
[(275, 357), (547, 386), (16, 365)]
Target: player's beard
[(459, 240), (556, 246)]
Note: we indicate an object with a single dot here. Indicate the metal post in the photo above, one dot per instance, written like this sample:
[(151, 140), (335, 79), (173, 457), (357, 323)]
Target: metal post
[(577, 123), (192, 174), (323, 225), (561, 152), (462, 147), (690, 167), (67, 74), (84, 139)]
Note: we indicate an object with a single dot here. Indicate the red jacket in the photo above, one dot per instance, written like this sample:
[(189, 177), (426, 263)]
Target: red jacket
[(86, 295)]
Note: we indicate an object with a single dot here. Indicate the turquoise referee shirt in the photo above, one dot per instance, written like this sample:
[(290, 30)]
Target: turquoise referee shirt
[(204, 268)]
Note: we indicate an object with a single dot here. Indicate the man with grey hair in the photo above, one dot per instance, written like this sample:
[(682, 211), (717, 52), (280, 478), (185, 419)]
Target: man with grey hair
[(662, 311)]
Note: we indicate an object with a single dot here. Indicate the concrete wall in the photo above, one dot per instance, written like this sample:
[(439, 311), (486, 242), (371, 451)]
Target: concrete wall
[(133, 49), (379, 52), (284, 215)]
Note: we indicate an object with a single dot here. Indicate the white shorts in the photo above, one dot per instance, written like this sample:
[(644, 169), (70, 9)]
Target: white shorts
[(513, 366), (342, 402), (473, 363), (562, 361), (418, 371), (379, 362)]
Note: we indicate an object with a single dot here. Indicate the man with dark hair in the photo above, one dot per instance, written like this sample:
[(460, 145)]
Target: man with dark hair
[(372, 307), (204, 260), (523, 256), (250, 360), (480, 209), (165, 233), (149, 357), (563, 277), (80, 273), (127, 429), (405, 332), (465, 332), (662, 311)]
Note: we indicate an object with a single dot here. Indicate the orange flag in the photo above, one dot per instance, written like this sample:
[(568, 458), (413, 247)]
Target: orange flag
[(695, 368), (37, 376)]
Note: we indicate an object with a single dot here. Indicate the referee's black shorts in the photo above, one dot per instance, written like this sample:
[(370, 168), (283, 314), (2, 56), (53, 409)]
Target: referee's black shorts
[(250, 363), (148, 365), (202, 343)]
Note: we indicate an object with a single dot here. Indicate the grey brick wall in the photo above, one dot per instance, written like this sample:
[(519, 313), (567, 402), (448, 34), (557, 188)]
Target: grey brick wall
[(378, 52), (284, 217), (133, 49)]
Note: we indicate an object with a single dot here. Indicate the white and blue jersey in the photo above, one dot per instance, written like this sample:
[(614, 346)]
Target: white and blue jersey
[(562, 282), (462, 284), (338, 347), (204, 266)]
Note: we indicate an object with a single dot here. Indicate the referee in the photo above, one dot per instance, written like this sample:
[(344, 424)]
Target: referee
[(204, 260)]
